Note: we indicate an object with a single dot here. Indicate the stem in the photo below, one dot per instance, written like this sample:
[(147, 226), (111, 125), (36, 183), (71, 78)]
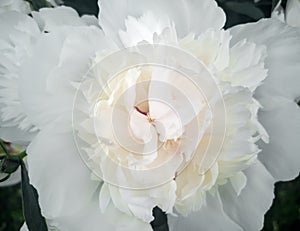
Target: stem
[(19, 156)]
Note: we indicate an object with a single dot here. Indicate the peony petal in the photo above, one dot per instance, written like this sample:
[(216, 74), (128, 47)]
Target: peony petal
[(282, 55), (188, 15), (141, 202), (211, 47), (18, 34), (66, 186), (64, 56), (249, 207), (292, 13), (238, 182), (140, 126), (182, 98), (15, 5), (280, 114), (281, 155), (278, 12), (24, 227), (245, 70), (16, 135), (50, 18), (142, 29), (90, 218), (210, 217)]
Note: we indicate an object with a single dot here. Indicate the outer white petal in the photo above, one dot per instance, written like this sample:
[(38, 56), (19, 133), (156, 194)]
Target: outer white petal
[(292, 13), (281, 155), (280, 114), (58, 173), (92, 219), (278, 12), (188, 15), (210, 217), (227, 211), (18, 34), (64, 56), (249, 207), (15, 178), (15, 5), (140, 203), (50, 18), (24, 227), (16, 135)]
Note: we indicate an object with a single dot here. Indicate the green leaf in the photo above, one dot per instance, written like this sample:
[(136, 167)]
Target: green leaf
[(160, 222), (38, 4), (245, 8), (83, 6), (31, 209)]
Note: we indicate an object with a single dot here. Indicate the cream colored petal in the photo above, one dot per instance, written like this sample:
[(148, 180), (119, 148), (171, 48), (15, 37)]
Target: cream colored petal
[(245, 70), (211, 48), (142, 29), (140, 126)]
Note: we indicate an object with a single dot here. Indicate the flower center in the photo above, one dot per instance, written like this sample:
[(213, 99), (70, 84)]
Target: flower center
[(147, 114)]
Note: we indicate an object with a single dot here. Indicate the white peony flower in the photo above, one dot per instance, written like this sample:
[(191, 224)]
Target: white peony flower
[(161, 107)]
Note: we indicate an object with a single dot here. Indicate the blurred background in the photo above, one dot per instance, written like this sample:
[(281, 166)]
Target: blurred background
[(284, 214)]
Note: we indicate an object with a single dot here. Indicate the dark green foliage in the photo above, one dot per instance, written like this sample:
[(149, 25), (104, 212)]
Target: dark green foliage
[(38, 4), (285, 211), (11, 215), (32, 212), (160, 222), (243, 11), (83, 6)]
